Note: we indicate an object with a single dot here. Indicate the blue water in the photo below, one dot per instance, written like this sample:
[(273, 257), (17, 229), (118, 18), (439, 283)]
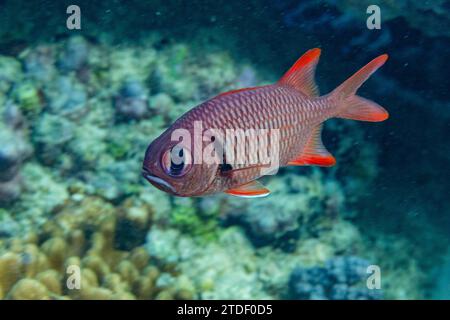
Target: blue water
[(79, 107)]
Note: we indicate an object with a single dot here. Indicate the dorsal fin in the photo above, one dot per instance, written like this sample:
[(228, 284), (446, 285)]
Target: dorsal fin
[(301, 75), (314, 153), (253, 189)]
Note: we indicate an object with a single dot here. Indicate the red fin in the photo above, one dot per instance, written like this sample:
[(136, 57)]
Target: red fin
[(314, 153), (301, 74), (252, 189), (349, 87), (358, 108), (351, 106), (235, 91), (314, 160)]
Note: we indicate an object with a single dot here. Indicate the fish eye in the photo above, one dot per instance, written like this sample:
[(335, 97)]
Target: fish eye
[(176, 161)]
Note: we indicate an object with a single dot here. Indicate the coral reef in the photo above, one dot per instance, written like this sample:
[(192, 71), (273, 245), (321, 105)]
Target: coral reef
[(132, 102), (14, 149), (14, 145), (230, 266), (297, 200), (216, 269), (76, 116), (89, 234), (75, 54), (337, 280), (83, 203)]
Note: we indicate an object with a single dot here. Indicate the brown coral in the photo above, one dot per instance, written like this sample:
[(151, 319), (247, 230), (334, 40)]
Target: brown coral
[(29, 289), (82, 237)]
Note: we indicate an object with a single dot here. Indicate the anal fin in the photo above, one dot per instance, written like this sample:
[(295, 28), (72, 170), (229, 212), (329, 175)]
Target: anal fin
[(314, 153), (253, 189)]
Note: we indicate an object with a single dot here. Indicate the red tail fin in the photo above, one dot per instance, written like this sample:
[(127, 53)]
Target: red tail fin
[(354, 107)]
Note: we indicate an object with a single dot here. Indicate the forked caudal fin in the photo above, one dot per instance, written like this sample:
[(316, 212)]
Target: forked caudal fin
[(354, 107), (301, 77)]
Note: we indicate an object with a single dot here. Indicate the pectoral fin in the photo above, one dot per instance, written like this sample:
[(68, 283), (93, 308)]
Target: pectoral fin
[(314, 153), (252, 189)]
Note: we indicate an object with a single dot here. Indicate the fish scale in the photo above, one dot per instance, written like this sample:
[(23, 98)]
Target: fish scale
[(280, 113), (236, 112), (292, 106)]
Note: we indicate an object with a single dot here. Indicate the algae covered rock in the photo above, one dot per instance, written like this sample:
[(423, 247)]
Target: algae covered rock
[(14, 149), (75, 54), (297, 199), (131, 103), (342, 278), (28, 96), (11, 73), (51, 134), (66, 97)]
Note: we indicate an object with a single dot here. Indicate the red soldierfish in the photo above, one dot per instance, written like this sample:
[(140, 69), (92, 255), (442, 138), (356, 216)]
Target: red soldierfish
[(292, 106)]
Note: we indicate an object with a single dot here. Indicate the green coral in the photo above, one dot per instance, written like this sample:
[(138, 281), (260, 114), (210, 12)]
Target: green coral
[(129, 62), (11, 71), (27, 95), (186, 217), (42, 195), (88, 145)]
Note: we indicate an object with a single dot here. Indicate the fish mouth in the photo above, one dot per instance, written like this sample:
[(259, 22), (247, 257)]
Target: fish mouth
[(157, 180)]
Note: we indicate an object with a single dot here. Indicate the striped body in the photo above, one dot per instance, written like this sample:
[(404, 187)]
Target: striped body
[(266, 107), (292, 107)]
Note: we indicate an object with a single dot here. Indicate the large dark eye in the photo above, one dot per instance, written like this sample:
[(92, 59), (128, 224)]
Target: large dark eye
[(176, 161)]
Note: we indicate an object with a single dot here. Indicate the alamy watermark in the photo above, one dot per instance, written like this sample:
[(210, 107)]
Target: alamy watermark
[(374, 20), (234, 147), (374, 280), (73, 22), (73, 281)]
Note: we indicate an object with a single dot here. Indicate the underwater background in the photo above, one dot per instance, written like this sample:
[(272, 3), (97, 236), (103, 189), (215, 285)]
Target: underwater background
[(79, 107)]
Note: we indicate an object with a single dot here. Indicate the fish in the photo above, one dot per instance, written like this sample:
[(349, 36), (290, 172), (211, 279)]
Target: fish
[(292, 110)]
